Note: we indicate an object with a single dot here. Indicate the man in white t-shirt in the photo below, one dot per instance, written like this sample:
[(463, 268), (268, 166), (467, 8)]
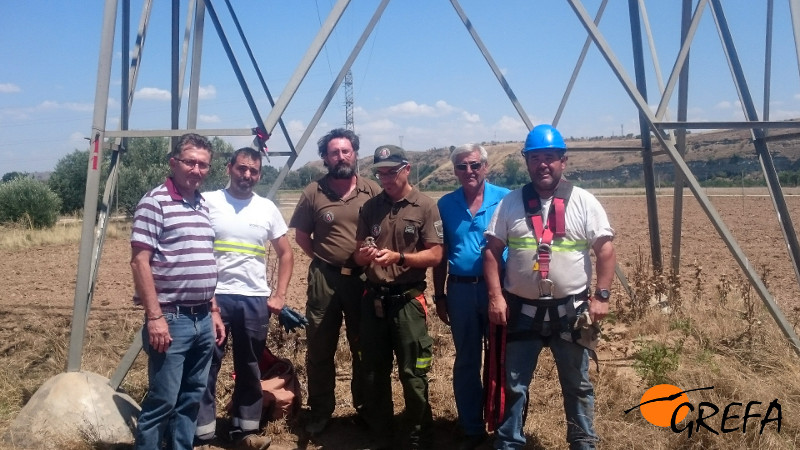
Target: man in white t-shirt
[(549, 228), (244, 225)]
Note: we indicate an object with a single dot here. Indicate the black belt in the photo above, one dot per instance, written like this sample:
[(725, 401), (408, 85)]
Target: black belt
[(189, 310), (342, 270), (396, 289), (547, 302), (464, 279)]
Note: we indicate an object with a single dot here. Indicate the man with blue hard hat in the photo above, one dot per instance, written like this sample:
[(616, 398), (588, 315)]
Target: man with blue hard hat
[(549, 228)]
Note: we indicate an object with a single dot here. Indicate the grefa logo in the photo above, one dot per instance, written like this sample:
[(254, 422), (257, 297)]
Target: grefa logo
[(384, 153), (665, 405)]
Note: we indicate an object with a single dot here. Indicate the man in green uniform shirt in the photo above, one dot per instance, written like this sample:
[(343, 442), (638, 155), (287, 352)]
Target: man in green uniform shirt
[(325, 227), (399, 236)]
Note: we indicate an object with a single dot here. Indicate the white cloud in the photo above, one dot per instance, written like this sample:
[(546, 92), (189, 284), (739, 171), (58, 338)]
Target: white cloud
[(378, 126), (295, 128), (444, 108), (471, 118), (508, 124), (411, 108), (9, 88), (206, 118), (207, 92), (45, 106), (49, 105), (153, 94), (723, 105)]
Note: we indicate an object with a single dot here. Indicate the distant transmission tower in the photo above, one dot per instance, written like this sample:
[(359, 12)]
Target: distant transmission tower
[(348, 101)]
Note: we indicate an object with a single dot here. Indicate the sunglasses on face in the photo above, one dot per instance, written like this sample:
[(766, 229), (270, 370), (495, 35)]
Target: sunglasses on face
[(389, 173), (475, 166), (191, 164)]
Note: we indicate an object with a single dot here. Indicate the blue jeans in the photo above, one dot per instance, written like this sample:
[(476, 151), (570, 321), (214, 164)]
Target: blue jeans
[(467, 307), (572, 362), (177, 379), (246, 320)]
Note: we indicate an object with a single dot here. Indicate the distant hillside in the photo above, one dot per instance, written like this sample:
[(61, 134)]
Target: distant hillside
[(719, 155)]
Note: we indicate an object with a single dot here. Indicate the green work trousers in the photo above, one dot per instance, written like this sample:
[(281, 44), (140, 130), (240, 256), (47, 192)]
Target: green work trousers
[(331, 295), (401, 333)]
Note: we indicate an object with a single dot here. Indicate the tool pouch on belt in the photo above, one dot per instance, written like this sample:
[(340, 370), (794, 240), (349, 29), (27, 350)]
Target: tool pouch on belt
[(566, 318)]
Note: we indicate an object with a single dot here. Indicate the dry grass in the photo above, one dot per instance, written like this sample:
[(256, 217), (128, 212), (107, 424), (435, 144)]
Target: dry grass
[(68, 230), (716, 329)]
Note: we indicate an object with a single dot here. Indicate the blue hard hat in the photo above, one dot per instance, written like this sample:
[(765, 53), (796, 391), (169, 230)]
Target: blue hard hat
[(544, 138)]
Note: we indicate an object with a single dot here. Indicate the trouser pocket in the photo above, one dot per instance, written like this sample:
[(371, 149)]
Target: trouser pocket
[(424, 355)]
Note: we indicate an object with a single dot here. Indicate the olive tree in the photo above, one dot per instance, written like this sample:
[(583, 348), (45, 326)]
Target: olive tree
[(29, 202)]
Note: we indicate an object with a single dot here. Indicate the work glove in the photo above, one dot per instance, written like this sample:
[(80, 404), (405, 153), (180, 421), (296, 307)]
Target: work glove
[(291, 318)]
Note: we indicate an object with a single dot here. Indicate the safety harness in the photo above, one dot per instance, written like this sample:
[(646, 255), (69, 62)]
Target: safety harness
[(555, 228)]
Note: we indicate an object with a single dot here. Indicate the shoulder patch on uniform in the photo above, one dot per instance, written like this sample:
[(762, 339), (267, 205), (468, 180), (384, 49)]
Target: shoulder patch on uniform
[(410, 229), (376, 230), (439, 229), (327, 217)]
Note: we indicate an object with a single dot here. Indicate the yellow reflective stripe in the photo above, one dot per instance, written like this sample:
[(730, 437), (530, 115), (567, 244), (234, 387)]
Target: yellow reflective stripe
[(559, 245), (563, 245), (522, 243), (239, 247), (423, 363)]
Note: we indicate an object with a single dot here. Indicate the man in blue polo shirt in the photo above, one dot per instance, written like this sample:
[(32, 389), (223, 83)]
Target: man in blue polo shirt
[(465, 214)]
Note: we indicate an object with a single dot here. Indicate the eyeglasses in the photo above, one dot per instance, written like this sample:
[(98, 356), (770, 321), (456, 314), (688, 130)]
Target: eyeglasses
[(192, 163), (474, 165), (390, 173)]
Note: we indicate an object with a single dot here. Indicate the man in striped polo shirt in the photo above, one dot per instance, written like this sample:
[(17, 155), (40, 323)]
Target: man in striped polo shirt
[(244, 225), (174, 274)]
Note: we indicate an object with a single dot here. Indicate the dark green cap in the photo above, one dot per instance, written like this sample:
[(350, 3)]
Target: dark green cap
[(389, 156)]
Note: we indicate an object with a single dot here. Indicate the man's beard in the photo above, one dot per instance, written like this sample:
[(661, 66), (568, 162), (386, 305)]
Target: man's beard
[(343, 171)]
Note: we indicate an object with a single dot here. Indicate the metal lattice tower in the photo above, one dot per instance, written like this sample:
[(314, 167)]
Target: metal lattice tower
[(348, 101), (653, 122)]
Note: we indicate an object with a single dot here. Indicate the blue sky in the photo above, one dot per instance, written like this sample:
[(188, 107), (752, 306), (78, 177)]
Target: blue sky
[(419, 81)]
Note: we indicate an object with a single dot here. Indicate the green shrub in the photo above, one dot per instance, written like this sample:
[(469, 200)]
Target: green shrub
[(29, 201), (68, 180), (655, 361)]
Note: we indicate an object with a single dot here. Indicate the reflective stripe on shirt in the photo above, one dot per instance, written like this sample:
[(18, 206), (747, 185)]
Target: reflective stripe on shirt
[(239, 247), (559, 245)]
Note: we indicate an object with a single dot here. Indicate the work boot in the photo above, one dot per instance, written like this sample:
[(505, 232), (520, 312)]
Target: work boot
[(206, 444)]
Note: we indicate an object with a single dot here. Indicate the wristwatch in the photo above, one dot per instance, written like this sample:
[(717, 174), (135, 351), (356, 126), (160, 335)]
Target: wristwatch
[(602, 294)]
